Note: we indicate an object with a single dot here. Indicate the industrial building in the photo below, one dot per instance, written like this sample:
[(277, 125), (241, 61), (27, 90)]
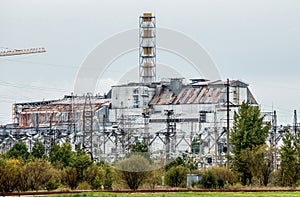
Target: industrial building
[(172, 117)]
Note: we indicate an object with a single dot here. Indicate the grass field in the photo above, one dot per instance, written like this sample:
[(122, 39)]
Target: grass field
[(188, 194)]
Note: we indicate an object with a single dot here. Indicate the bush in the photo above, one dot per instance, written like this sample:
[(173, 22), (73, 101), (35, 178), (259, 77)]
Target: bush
[(176, 176), (208, 180), (223, 173), (275, 178), (220, 183), (69, 177), (84, 186), (96, 183), (108, 179), (52, 184)]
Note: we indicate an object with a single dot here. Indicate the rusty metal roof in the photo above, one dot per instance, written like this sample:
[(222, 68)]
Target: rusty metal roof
[(188, 95)]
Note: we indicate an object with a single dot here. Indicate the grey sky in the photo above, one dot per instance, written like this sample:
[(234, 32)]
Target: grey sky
[(255, 41)]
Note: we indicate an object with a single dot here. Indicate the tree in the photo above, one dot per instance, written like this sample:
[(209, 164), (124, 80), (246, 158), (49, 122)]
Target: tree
[(80, 162), (262, 158), (38, 150), (108, 177), (62, 154), (289, 170), (140, 148), (175, 162), (133, 170), (10, 174), (69, 177), (247, 135), (19, 150), (38, 173), (54, 153)]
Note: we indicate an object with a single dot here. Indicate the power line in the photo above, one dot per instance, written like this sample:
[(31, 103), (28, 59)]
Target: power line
[(41, 88)]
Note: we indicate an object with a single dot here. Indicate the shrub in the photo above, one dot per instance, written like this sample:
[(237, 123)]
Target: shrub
[(84, 186), (223, 173), (176, 176), (96, 183), (52, 184), (208, 180)]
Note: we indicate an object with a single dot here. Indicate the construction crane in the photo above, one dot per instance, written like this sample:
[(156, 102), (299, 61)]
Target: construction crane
[(10, 52)]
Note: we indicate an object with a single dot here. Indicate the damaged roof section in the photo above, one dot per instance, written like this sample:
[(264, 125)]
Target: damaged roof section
[(187, 95), (205, 92)]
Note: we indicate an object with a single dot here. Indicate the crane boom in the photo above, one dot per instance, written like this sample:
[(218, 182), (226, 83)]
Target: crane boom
[(10, 52)]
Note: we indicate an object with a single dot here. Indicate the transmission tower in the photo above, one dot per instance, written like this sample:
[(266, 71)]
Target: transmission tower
[(88, 125)]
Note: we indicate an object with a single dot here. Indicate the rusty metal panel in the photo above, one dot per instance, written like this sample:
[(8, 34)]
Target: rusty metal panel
[(216, 96), (202, 94), (180, 95), (187, 95), (207, 97), (194, 95), (212, 95), (166, 98)]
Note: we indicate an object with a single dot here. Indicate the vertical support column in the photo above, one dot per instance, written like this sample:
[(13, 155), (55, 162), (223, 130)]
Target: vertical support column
[(147, 48), (171, 127), (216, 138), (228, 134), (146, 136)]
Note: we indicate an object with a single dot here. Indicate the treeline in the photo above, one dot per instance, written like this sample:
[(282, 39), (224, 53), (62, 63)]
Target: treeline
[(24, 171), (253, 163)]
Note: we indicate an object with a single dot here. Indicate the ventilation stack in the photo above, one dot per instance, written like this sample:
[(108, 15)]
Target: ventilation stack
[(147, 48)]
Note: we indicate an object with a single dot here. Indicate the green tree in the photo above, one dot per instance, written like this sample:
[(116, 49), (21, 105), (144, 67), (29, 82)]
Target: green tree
[(19, 150), (81, 161), (175, 162), (133, 170), (108, 178), (54, 153), (262, 158), (289, 168), (140, 148), (38, 150), (62, 154), (247, 135)]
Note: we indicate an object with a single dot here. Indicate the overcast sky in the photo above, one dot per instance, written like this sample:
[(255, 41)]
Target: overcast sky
[(254, 41)]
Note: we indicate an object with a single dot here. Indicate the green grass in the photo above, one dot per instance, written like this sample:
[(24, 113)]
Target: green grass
[(185, 194)]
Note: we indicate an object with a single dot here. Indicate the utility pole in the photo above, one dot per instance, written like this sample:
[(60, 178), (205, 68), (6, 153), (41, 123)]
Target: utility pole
[(228, 146), (295, 122), (273, 139)]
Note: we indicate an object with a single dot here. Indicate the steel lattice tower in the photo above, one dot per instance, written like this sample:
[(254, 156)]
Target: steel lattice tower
[(88, 125), (147, 48)]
